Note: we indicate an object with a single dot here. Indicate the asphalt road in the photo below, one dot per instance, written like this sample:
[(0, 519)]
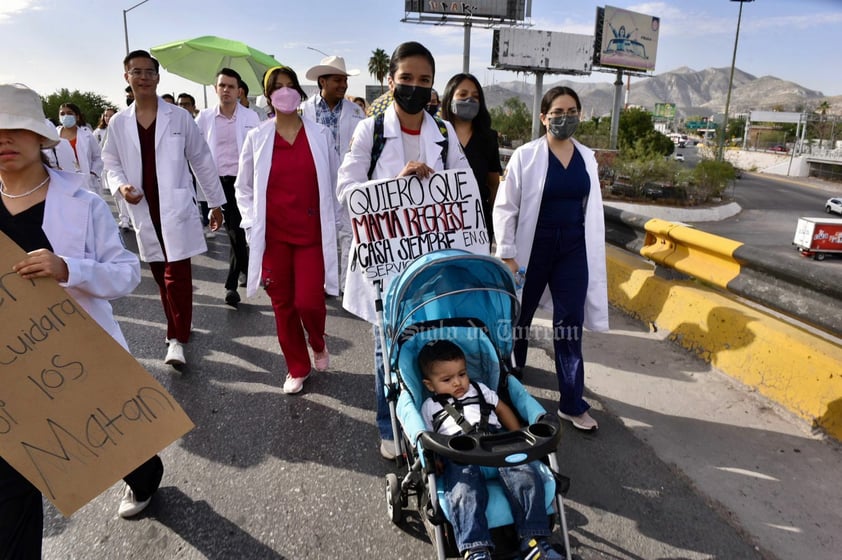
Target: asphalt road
[(265, 475), (770, 212)]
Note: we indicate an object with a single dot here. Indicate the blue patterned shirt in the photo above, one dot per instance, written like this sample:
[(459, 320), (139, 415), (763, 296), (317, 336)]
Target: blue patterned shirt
[(329, 118)]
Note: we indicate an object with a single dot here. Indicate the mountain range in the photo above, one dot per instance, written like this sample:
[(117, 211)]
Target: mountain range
[(694, 92)]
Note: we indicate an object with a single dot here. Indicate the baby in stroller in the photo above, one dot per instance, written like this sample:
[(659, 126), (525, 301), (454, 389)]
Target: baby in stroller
[(460, 405)]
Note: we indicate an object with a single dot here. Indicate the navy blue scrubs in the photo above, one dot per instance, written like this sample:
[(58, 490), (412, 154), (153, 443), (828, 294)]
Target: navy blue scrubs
[(559, 260)]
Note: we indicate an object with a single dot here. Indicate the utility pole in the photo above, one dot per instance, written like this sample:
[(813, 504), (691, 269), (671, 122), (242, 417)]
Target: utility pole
[(719, 153)]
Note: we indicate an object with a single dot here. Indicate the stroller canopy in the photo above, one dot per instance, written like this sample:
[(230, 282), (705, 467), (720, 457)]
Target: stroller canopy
[(452, 284)]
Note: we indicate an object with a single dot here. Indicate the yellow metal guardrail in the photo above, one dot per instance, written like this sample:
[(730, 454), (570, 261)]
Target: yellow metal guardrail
[(705, 256)]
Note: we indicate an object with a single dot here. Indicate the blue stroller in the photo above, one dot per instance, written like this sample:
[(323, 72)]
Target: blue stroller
[(470, 300)]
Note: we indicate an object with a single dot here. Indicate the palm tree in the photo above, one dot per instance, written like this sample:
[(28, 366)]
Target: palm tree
[(822, 109), (378, 66)]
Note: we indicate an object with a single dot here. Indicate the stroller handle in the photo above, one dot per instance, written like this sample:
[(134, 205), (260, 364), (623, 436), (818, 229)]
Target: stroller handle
[(503, 449)]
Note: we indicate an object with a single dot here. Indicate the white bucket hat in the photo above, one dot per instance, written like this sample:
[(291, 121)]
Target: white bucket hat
[(21, 108), (330, 66)]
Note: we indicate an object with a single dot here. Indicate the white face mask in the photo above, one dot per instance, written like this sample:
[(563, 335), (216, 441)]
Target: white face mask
[(67, 121)]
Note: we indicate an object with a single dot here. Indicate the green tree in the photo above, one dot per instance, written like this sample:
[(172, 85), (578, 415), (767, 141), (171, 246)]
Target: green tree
[(595, 133), (378, 66), (512, 119), (91, 104)]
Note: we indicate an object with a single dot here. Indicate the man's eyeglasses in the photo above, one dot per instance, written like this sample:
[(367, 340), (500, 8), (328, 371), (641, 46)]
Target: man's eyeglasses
[(556, 114), (144, 73)]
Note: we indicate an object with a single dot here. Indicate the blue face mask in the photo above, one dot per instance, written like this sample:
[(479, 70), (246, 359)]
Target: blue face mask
[(67, 121)]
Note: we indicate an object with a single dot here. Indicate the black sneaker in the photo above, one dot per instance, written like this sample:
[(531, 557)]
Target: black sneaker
[(232, 298)]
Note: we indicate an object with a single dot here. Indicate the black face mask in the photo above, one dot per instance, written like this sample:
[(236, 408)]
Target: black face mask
[(412, 99), (433, 109), (129, 101)]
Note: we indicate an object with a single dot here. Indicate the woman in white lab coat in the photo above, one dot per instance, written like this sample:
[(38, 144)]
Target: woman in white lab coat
[(286, 195), (413, 146), (86, 148), (548, 221), (68, 235)]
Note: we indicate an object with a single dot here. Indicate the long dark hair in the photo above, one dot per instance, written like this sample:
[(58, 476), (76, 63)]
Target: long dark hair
[(482, 122)]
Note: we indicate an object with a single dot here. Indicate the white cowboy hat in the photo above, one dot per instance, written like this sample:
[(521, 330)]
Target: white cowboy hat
[(21, 108), (330, 66)]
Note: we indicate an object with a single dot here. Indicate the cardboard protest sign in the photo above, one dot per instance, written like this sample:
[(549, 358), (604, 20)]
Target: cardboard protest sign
[(395, 221), (77, 412)]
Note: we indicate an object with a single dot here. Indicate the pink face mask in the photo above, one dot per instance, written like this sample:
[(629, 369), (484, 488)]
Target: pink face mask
[(286, 100)]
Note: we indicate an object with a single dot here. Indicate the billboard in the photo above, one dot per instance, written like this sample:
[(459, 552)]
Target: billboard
[(517, 10), (664, 111), (625, 39), (515, 48)]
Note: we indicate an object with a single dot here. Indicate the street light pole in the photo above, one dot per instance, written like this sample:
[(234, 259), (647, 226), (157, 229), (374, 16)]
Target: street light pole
[(318, 51), (126, 26), (720, 154)]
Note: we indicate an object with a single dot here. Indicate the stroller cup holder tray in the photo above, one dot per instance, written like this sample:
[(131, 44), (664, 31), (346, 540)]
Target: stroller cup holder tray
[(502, 449)]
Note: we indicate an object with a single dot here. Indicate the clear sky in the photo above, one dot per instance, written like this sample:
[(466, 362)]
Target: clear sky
[(79, 44)]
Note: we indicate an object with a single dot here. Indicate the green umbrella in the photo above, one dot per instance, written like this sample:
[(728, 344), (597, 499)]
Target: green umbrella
[(201, 58)]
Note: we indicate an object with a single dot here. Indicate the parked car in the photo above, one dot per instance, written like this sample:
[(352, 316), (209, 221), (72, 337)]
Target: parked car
[(679, 157), (833, 205), (779, 148)]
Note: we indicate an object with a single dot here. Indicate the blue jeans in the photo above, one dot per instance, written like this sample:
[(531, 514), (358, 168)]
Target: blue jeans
[(384, 417), (467, 497)]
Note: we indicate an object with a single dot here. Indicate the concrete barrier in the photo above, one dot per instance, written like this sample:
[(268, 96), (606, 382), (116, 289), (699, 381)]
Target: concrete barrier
[(786, 363), (809, 296)]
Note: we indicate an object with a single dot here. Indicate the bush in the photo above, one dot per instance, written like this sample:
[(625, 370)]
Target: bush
[(711, 177)]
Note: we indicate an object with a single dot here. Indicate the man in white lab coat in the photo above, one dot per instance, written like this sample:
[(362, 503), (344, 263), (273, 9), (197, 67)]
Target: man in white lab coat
[(225, 127), (149, 147), (330, 108)]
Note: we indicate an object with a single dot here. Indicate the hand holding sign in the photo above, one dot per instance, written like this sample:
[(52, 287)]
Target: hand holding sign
[(395, 221), (77, 412)]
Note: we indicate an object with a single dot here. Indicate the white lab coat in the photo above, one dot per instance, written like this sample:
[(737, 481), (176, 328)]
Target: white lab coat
[(359, 292), (178, 142), (255, 164), (82, 231), (246, 121), (88, 157), (516, 215), (349, 118)]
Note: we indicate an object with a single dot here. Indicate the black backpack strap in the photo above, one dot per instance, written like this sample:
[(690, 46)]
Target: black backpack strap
[(378, 141), (445, 144)]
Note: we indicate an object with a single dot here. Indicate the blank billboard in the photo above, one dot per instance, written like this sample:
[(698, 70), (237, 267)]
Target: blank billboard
[(625, 39), (548, 51)]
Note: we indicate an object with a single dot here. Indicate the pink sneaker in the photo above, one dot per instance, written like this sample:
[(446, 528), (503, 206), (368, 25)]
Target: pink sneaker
[(321, 360)]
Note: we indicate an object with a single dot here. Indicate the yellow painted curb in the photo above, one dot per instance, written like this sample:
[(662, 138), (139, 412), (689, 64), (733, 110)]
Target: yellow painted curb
[(789, 365)]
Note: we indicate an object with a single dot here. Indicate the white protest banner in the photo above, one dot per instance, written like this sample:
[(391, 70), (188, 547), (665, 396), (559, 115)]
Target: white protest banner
[(77, 412), (395, 221)]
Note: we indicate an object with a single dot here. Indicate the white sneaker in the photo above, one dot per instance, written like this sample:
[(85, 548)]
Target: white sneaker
[(293, 385), (129, 506), (175, 353), (387, 449)]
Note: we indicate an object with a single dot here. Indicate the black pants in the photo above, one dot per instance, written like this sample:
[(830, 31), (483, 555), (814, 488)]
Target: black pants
[(22, 516), (238, 259)]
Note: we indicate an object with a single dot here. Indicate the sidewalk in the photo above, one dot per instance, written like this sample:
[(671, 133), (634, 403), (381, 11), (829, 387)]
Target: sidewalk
[(758, 465)]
